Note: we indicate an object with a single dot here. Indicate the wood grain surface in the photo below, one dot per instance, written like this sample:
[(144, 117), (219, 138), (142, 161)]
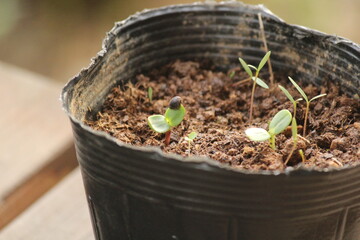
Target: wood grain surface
[(60, 214), (36, 149)]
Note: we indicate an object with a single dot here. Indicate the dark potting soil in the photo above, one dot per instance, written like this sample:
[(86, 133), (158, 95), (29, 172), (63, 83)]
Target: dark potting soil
[(217, 109)]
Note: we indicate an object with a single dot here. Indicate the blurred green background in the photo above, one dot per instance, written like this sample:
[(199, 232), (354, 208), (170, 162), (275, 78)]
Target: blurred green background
[(57, 38)]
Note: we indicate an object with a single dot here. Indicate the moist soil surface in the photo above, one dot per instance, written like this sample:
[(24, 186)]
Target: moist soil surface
[(217, 108)]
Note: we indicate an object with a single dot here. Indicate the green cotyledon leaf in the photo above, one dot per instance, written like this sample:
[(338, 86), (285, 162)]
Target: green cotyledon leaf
[(257, 134), (260, 82), (158, 123), (263, 61), (246, 67), (175, 116), (280, 122)]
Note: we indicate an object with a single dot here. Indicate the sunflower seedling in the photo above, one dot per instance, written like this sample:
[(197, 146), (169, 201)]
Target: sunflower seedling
[(277, 125), (190, 138), (256, 79), (306, 100), (172, 118)]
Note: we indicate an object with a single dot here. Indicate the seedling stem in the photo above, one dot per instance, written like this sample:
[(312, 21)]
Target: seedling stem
[(190, 138), (295, 139), (302, 156), (252, 99), (167, 137)]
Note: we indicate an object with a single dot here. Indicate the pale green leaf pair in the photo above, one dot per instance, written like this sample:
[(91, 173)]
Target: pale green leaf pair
[(278, 124), (172, 118), (303, 94), (257, 69), (247, 69)]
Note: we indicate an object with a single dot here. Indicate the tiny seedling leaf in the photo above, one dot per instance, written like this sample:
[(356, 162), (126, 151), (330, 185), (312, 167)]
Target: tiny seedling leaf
[(150, 93), (260, 82), (318, 96), (286, 92), (299, 89), (252, 66), (175, 116), (246, 67), (257, 134), (192, 135), (158, 123), (263, 61), (280, 121), (231, 74)]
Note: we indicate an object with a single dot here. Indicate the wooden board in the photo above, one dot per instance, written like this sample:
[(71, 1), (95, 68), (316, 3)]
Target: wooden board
[(36, 149), (60, 214)]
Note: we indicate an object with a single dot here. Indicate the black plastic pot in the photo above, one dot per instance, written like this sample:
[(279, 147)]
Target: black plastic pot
[(141, 194)]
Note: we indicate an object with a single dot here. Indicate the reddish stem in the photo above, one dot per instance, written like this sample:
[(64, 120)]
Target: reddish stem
[(167, 137)]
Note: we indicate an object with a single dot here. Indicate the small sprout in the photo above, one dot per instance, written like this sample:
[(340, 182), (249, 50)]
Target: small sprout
[(256, 79), (172, 118), (303, 159), (231, 74), (307, 102), (277, 125), (294, 131), (150, 93), (190, 138)]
